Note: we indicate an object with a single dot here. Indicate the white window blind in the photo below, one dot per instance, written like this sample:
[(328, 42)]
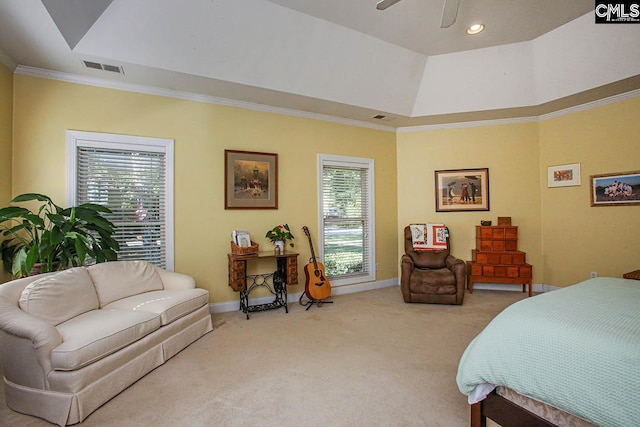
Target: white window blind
[(133, 183), (347, 219)]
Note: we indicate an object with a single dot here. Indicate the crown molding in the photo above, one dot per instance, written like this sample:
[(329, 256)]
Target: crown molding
[(527, 119), (195, 97), (592, 104), (188, 96), (6, 60), (471, 124)]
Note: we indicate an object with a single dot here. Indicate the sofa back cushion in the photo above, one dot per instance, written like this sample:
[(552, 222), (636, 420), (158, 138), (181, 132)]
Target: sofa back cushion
[(13, 290), (59, 297), (120, 279)]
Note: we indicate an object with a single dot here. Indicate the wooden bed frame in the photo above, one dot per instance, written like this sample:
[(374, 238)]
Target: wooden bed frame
[(505, 413)]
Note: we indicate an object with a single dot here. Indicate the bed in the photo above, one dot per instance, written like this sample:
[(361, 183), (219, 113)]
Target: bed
[(570, 357)]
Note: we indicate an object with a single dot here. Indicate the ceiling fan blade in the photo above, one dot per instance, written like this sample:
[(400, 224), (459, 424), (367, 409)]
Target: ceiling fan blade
[(449, 13), (382, 5)]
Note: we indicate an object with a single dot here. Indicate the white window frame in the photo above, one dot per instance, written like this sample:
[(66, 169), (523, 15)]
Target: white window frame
[(361, 163), (77, 139)]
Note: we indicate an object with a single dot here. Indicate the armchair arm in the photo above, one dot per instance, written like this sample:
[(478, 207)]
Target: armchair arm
[(406, 268), (459, 268), (25, 346), (175, 281), (454, 263)]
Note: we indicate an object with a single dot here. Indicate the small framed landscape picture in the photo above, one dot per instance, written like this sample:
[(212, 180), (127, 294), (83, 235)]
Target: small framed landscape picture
[(615, 189), (462, 190), (563, 175), (250, 180)]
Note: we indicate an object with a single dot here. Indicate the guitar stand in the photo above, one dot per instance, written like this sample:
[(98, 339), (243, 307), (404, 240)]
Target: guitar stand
[(318, 302), (309, 303)]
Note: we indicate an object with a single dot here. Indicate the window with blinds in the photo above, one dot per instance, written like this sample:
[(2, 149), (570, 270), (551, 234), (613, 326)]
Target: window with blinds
[(346, 201), (133, 181)]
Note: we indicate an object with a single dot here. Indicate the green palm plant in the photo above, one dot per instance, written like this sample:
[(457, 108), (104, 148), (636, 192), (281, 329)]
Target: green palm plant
[(53, 237)]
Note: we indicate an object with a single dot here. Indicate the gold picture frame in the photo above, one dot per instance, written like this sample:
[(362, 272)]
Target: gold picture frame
[(615, 189), (250, 180)]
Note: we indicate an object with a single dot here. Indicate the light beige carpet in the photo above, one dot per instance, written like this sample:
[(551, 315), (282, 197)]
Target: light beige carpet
[(368, 359)]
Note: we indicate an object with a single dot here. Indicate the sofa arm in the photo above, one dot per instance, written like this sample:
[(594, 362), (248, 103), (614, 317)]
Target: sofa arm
[(25, 346), (175, 281)]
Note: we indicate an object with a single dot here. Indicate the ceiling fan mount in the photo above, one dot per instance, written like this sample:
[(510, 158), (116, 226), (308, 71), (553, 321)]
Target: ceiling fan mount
[(449, 10)]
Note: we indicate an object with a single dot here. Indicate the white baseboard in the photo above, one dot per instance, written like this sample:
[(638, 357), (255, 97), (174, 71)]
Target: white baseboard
[(360, 287), (224, 307), (537, 287)]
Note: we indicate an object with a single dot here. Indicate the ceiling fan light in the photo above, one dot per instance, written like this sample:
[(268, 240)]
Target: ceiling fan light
[(475, 29)]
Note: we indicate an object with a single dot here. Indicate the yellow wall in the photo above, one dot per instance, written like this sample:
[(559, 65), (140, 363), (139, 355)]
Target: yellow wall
[(45, 109), (579, 238), (564, 237), (511, 154), (6, 118)]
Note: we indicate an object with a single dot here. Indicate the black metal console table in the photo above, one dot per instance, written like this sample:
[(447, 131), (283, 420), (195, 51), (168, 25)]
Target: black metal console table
[(276, 283)]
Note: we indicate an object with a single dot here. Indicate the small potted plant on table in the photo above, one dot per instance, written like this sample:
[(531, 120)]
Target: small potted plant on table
[(279, 235)]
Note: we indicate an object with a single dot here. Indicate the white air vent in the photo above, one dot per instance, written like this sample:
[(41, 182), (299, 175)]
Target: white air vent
[(104, 67)]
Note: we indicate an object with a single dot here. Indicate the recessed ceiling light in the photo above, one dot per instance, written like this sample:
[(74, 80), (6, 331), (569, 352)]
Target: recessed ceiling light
[(475, 29)]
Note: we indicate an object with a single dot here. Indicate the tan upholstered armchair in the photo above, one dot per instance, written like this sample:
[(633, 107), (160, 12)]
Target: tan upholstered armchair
[(434, 277)]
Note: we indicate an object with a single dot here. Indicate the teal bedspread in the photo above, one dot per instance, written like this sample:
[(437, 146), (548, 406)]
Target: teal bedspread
[(577, 348)]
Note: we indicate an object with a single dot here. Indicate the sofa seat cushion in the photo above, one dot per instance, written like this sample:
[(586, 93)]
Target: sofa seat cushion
[(169, 305), (58, 297), (98, 333), (120, 279)]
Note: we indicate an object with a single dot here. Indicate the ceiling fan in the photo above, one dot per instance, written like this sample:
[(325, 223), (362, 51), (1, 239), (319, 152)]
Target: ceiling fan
[(449, 11)]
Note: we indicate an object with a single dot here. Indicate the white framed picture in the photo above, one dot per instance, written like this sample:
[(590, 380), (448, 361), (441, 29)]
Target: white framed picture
[(563, 175)]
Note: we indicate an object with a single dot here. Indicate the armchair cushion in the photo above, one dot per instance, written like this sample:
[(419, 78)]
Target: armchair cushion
[(439, 281), (431, 259)]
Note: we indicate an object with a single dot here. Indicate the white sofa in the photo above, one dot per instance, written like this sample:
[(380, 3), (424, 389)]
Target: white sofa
[(72, 340)]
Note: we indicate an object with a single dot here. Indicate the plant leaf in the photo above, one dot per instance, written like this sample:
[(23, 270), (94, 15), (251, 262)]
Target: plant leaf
[(26, 197), (32, 257), (95, 207), (81, 251), (12, 212), (100, 223)]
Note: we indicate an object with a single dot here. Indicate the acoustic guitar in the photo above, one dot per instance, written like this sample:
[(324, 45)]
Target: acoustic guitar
[(317, 287)]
